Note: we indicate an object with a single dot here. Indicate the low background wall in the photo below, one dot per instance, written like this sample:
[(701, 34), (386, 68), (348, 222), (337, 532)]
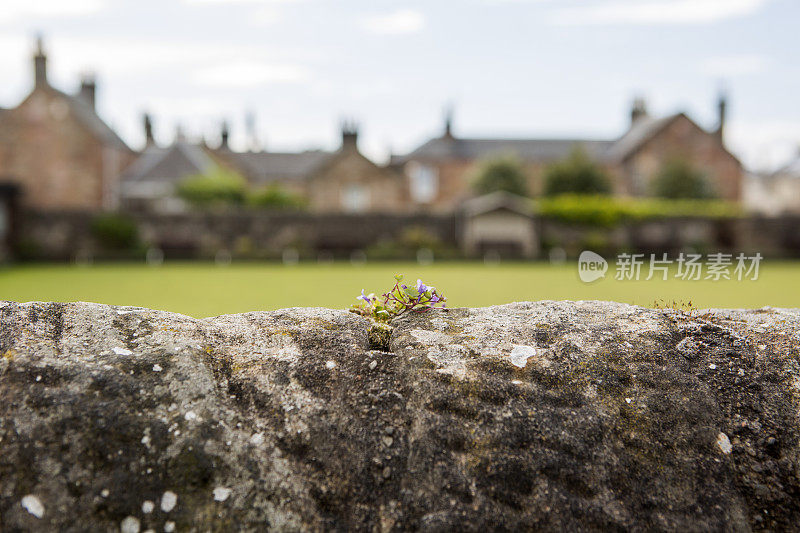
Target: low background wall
[(68, 235)]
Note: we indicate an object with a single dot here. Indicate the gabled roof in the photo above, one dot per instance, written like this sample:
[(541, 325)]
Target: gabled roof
[(265, 167), (641, 131), (86, 114), (495, 201), (525, 149), (170, 164), (545, 150)]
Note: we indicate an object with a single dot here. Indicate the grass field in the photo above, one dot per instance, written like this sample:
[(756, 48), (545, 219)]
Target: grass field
[(202, 289)]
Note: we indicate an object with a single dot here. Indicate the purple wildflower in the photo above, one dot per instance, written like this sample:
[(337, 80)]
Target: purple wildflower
[(364, 297), (421, 287)]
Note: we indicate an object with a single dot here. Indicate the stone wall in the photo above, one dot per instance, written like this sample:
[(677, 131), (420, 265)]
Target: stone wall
[(244, 234), (259, 234), (546, 416)]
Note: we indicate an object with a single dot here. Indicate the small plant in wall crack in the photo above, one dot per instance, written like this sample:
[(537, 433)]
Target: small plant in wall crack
[(399, 300)]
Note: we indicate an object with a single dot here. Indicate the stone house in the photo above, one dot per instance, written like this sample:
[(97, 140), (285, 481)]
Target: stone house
[(440, 170), (150, 182), (343, 180), (57, 149)]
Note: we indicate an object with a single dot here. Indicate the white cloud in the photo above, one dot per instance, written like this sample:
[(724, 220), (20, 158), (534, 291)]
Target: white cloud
[(732, 66), (14, 10), (657, 12), (250, 73), (399, 22)]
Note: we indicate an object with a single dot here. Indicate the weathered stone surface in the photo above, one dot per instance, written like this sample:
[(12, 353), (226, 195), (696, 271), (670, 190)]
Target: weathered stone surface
[(537, 416)]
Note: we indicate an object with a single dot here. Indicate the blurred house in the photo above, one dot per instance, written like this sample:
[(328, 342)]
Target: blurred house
[(775, 193), (340, 181), (150, 182), (57, 149), (62, 156), (440, 170)]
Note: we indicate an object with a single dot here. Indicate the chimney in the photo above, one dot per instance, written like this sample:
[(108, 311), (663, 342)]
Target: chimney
[(88, 87), (148, 131), (349, 135), (638, 109), (722, 105), (39, 64), (224, 134), (448, 122)]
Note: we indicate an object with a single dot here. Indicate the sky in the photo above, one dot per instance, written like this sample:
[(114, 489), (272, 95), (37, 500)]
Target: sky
[(508, 68)]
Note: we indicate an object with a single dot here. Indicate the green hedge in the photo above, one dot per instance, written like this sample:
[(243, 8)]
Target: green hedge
[(218, 187), (275, 197), (113, 231), (605, 211)]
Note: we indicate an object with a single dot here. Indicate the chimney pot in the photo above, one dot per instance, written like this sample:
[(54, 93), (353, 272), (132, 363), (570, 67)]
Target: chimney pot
[(448, 122), (39, 64), (224, 134), (148, 130), (349, 134), (638, 109), (722, 106), (88, 89)]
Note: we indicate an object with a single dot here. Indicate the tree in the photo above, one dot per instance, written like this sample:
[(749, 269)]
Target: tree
[(218, 186), (678, 179), (501, 174), (576, 174)]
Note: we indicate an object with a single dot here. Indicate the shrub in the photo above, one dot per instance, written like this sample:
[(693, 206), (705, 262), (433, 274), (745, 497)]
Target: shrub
[(275, 196), (501, 174), (218, 187), (577, 174), (604, 211), (115, 232), (677, 179)]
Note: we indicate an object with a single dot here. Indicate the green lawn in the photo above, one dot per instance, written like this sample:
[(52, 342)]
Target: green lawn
[(202, 289)]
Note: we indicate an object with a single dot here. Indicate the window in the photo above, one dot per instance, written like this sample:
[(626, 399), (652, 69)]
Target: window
[(424, 182), (355, 198)]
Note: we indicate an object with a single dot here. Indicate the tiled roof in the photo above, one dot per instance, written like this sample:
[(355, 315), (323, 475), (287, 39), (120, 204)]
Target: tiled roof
[(525, 149), (495, 201), (544, 150), (86, 114), (264, 167), (170, 164), (644, 129)]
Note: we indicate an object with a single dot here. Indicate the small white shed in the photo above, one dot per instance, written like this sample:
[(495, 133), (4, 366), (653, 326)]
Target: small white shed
[(500, 223)]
